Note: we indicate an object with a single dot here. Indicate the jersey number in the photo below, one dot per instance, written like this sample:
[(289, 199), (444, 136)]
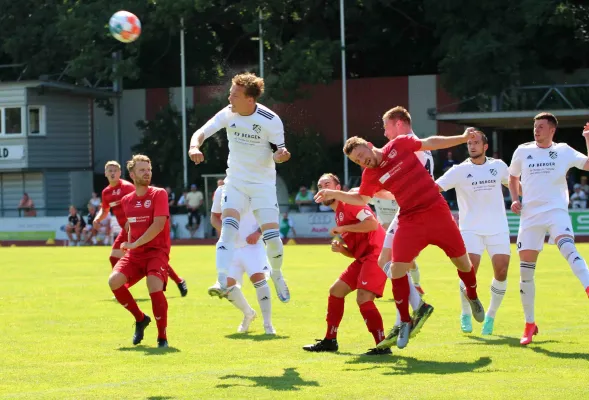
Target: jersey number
[(428, 166)]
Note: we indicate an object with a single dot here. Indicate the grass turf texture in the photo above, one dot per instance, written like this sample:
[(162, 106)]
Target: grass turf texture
[(65, 338)]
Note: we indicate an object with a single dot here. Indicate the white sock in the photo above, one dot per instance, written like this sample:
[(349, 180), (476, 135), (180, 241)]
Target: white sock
[(226, 248), (569, 251), (415, 275), (414, 297), (263, 292), (527, 289), (235, 297), (497, 292), (465, 305), (274, 248), (387, 269)]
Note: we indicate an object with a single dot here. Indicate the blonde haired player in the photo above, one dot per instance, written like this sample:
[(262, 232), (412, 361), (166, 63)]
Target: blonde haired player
[(256, 143), (542, 166)]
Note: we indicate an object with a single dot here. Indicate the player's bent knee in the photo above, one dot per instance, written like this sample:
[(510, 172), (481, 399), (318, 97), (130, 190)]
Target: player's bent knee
[(462, 263), (384, 257), (267, 218), (339, 289), (257, 277), (231, 282), (398, 270), (154, 284), (364, 296), (116, 280)]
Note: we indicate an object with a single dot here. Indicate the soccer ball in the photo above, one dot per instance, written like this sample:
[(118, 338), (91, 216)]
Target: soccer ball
[(124, 26)]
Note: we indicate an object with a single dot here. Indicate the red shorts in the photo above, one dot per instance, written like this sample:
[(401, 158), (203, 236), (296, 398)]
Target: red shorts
[(121, 237), (365, 274), (135, 268), (433, 226)]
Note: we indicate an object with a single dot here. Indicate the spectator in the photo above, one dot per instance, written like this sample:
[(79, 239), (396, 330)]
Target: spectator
[(304, 199), (171, 196), (570, 182), (578, 198), (26, 206), (449, 162), (220, 182), (94, 200), (194, 200), (286, 225), (74, 226), (182, 199), (584, 185), (89, 232), (103, 233)]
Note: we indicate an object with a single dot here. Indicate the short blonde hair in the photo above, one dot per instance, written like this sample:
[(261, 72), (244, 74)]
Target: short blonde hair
[(135, 159), (398, 113), (253, 85), (352, 143), (112, 163)]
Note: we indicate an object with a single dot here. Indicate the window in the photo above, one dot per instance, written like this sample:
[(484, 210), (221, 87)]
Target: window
[(36, 120), (13, 121)]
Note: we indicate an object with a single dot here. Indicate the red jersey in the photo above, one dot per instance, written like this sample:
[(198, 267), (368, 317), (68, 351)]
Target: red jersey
[(141, 212), (111, 198), (360, 244), (401, 173)]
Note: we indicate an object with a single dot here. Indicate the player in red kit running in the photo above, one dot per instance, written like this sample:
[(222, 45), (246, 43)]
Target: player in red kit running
[(111, 200), (424, 218), (147, 250), (363, 237)]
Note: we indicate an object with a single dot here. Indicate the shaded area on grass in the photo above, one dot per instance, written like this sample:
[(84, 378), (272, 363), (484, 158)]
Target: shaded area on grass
[(262, 337), (289, 380), (151, 351), (410, 365)]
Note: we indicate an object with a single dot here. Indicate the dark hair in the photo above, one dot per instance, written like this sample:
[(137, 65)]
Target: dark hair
[(548, 117), (483, 136)]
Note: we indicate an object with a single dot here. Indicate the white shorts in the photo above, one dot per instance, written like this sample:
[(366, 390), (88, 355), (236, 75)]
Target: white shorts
[(243, 196), (495, 244), (388, 239), (250, 259), (533, 230)]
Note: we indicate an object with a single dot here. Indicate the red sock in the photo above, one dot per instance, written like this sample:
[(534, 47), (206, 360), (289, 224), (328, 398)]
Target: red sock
[(173, 275), (470, 281), (401, 294), (159, 305), (113, 261), (125, 298), (373, 320), (335, 313)]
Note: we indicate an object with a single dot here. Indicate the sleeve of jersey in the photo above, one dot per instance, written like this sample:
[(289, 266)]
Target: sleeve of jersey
[(577, 159), (212, 126), (276, 133), (515, 169), (160, 204), (447, 181), (216, 207), (367, 186), (408, 143), (104, 204), (504, 173)]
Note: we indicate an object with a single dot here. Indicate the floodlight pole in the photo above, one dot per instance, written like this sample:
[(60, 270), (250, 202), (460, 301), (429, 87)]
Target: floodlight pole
[(183, 96), (344, 91)]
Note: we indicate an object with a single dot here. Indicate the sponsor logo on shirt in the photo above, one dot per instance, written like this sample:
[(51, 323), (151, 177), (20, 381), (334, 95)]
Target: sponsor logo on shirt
[(133, 220), (530, 157), (147, 203), (553, 154), (341, 216), (468, 176), (257, 128), (114, 203), (493, 171), (393, 153), (138, 204), (116, 192)]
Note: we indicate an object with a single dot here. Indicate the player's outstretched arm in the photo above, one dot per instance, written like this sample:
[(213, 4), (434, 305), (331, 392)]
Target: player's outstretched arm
[(354, 199), (444, 142), (212, 126)]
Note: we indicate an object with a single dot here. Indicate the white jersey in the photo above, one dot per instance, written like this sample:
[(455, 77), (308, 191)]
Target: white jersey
[(385, 209), (481, 208), (543, 175), (247, 223), (250, 142), (425, 157)]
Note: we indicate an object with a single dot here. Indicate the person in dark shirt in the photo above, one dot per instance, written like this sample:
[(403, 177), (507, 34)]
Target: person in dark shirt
[(74, 226)]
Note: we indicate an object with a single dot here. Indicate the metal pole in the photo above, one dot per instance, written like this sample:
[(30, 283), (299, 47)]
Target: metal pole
[(344, 92), (183, 91), (261, 39), (117, 88)]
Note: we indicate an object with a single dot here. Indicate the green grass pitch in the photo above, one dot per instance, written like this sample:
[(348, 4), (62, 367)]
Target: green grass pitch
[(63, 337)]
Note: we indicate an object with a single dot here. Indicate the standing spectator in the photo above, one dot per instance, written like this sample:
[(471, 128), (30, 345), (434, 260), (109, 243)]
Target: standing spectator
[(449, 162), (570, 182), (95, 200), (286, 225), (171, 200), (26, 207), (182, 199), (194, 200), (579, 197), (304, 199), (584, 185), (74, 226), (449, 195)]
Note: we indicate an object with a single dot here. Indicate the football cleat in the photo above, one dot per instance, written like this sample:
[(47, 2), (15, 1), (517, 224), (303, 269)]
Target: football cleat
[(420, 316), (246, 322), (140, 328), (488, 326), (390, 339), (329, 345), (183, 288), (404, 331), (217, 290), (378, 352), (280, 285), (269, 330), (162, 343), (466, 323), (529, 332)]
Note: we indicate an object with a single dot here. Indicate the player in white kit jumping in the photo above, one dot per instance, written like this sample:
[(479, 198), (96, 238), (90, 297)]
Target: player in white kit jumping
[(482, 220), (250, 258), (256, 143), (542, 166)]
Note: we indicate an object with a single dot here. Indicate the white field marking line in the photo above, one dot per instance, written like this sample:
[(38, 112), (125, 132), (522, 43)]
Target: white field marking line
[(233, 370)]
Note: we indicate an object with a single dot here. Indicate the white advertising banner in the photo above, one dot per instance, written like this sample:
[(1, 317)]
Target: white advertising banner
[(313, 225), (12, 152)]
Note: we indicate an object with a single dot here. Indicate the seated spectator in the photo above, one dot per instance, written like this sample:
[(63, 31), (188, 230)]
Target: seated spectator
[(171, 200), (182, 199), (286, 225), (88, 233), (194, 200), (26, 207), (449, 162), (304, 199), (94, 200), (578, 198), (74, 226), (103, 232)]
